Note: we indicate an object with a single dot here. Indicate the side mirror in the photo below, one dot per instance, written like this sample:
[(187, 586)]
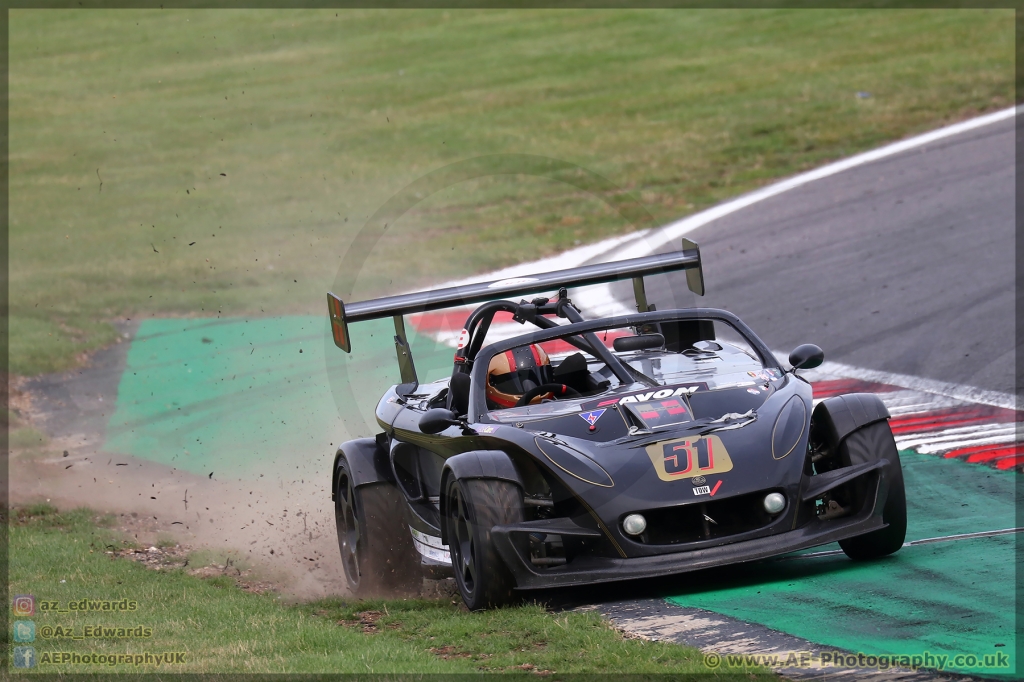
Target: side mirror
[(437, 420), (806, 356)]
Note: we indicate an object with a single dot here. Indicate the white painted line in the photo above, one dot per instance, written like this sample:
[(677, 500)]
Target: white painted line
[(964, 536), (957, 392), (946, 447), (912, 543), (968, 394), (675, 231), (645, 242), (925, 446), (969, 431), (958, 437), (900, 403), (599, 298), (599, 302)]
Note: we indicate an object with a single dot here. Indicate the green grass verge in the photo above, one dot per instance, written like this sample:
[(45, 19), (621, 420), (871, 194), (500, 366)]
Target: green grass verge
[(61, 556), (189, 162)]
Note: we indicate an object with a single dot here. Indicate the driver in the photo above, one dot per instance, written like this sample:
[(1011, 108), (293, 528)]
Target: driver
[(512, 373)]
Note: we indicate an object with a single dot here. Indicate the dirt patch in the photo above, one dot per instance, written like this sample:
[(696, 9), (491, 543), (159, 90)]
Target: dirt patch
[(278, 523), (368, 622), (448, 652), (264, 523), (287, 541), (183, 558), (19, 401), (530, 667), (280, 528), (523, 667)]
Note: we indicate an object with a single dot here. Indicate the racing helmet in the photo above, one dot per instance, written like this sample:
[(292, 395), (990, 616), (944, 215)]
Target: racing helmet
[(512, 373)]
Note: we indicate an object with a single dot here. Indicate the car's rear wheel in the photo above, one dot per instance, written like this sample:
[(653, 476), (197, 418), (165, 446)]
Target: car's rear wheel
[(473, 508), (869, 444), (376, 547)]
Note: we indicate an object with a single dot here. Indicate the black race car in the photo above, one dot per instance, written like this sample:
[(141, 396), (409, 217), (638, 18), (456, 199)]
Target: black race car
[(586, 451)]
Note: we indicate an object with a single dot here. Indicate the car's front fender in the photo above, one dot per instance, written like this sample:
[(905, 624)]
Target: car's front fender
[(493, 464), (836, 418)]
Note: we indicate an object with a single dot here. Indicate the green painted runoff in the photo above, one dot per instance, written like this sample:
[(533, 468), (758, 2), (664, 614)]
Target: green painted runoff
[(945, 598), (243, 397)]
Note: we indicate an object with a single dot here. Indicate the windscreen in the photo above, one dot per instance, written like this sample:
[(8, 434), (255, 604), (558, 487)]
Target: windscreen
[(669, 365)]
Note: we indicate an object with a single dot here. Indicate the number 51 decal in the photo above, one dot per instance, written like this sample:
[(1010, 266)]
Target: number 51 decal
[(686, 457)]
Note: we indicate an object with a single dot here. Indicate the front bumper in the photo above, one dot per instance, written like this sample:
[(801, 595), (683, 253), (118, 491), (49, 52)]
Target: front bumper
[(584, 570), (588, 569)]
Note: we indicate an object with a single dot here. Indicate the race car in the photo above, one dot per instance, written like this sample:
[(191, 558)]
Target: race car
[(588, 451)]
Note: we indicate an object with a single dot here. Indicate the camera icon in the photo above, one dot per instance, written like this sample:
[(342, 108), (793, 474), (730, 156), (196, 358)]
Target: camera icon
[(24, 605)]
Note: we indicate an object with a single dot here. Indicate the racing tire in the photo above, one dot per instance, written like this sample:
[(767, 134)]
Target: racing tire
[(868, 444), (473, 508), (376, 547)]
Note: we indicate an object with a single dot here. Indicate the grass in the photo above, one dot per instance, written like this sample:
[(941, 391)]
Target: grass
[(62, 556), (205, 162), (26, 437)]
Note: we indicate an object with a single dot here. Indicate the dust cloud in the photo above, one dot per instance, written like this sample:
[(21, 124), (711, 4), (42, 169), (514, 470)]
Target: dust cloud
[(283, 528)]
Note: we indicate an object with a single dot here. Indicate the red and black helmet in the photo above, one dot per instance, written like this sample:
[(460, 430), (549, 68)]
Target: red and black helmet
[(514, 372)]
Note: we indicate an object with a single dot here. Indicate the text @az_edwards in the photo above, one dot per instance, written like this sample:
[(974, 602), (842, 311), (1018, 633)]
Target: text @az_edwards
[(95, 632), (841, 659)]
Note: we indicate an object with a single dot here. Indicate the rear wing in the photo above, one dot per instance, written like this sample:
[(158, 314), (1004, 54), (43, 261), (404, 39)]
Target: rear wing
[(687, 259)]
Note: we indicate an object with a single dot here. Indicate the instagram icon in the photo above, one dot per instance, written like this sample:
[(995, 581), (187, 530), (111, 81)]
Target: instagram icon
[(24, 605)]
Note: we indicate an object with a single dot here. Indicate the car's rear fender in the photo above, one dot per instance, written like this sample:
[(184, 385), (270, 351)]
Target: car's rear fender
[(367, 459), (476, 464)]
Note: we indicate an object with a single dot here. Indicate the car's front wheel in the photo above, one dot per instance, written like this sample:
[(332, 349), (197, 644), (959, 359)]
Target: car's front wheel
[(473, 508), (868, 444), (376, 547)]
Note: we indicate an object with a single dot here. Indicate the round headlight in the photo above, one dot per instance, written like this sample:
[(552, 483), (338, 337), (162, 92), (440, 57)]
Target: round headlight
[(634, 524), (774, 503)]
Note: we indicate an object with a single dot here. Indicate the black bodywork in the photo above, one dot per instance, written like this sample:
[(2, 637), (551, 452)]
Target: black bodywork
[(700, 480)]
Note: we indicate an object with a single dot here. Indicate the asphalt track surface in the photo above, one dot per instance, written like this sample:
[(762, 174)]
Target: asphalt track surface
[(903, 265)]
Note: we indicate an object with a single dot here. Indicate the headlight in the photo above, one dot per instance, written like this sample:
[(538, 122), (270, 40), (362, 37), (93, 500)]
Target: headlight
[(774, 503), (634, 524)]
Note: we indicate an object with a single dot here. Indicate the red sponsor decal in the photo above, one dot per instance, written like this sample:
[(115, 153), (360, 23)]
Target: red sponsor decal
[(673, 407)]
